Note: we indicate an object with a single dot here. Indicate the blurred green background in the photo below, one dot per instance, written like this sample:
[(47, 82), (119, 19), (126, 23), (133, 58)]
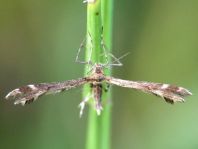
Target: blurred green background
[(38, 43)]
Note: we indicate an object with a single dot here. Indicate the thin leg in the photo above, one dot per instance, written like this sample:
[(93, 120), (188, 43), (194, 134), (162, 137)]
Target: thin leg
[(91, 49), (104, 47), (117, 60), (118, 63), (89, 62), (78, 53), (82, 104)]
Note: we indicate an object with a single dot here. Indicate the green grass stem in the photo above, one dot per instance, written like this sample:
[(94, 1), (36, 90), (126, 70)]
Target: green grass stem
[(99, 15)]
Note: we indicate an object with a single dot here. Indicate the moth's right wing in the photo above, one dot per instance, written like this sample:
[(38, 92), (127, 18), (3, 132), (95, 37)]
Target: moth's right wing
[(29, 93), (168, 92)]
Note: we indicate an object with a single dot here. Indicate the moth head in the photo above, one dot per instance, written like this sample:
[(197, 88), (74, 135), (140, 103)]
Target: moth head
[(98, 68)]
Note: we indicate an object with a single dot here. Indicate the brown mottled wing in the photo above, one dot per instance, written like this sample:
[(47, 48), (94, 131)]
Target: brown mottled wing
[(29, 93), (168, 92)]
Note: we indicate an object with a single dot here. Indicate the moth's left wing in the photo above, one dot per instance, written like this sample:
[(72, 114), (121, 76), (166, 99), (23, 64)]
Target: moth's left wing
[(168, 92), (29, 93)]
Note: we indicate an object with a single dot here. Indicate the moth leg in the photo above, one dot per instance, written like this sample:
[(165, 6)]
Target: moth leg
[(82, 104), (104, 47), (91, 49), (78, 53), (77, 60), (116, 61)]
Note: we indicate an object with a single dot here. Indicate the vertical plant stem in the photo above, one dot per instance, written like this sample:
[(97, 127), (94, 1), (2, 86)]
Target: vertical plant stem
[(93, 30), (99, 14), (107, 19)]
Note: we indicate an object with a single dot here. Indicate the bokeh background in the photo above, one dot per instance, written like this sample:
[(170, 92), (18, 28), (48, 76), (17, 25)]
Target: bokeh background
[(38, 43)]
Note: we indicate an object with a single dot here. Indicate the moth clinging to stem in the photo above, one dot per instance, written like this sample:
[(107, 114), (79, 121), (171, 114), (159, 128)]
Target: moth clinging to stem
[(96, 78)]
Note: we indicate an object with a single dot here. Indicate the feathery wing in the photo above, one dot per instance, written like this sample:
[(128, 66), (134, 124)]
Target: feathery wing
[(170, 93), (29, 93)]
